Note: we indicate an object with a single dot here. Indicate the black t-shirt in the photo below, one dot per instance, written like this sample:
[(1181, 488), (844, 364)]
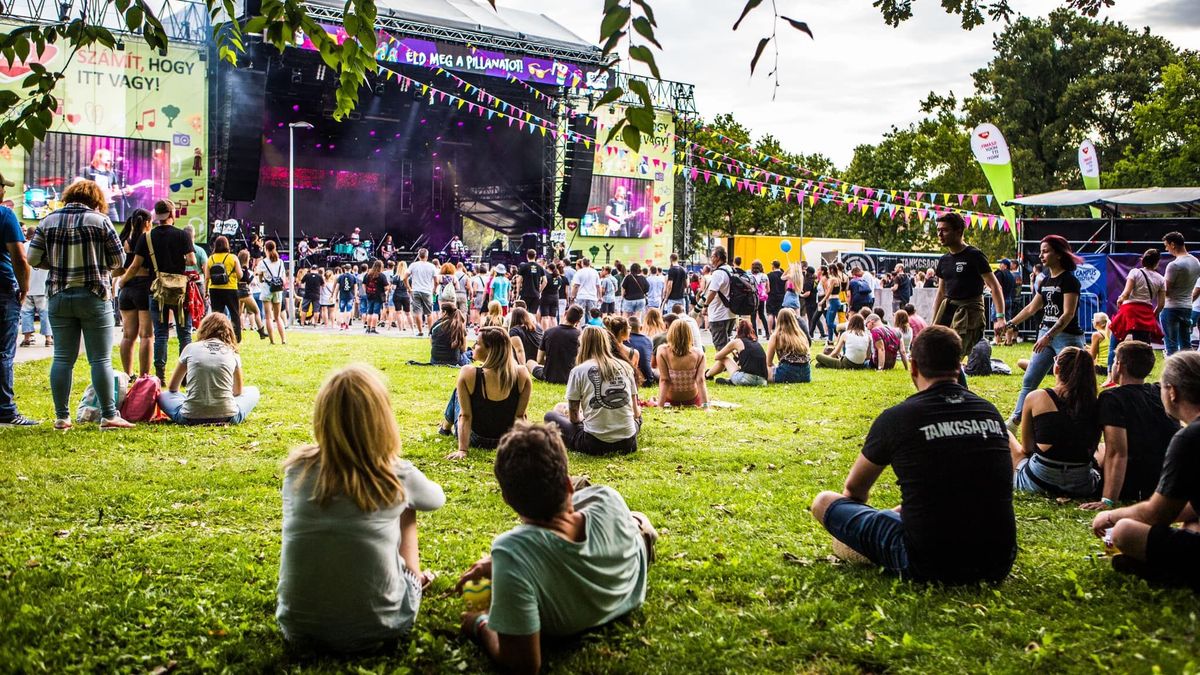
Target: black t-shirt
[(346, 283), (1008, 283), (635, 287), (962, 273), (531, 340), (931, 282), (810, 287), (312, 285), (171, 246), (1052, 291), (1138, 410), (531, 281), (904, 287), (678, 278), (561, 344), (776, 287), (555, 287), (375, 286), (1181, 468), (949, 449)]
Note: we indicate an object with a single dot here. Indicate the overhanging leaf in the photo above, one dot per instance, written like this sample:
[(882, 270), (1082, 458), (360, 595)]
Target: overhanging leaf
[(643, 27), (750, 5), (632, 137), (609, 96), (643, 54), (799, 25), (762, 44), (613, 21)]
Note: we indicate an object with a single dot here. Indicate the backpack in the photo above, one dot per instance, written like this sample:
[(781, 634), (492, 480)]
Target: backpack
[(762, 291), (141, 401), (89, 406), (743, 292), (218, 274), (274, 277)]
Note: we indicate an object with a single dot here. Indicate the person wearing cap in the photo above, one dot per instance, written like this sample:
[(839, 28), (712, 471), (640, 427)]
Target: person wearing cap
[(14, 287)]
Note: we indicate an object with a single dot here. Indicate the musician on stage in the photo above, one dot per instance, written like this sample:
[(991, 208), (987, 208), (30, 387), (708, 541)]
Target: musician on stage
[(111, 181), (387, 249), (256, 247), (618, 215), (456, 247), (356, 237), (302, 250)]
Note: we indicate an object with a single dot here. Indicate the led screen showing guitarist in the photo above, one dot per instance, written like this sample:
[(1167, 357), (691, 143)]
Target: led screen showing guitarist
[(621, 220), (112, 181)]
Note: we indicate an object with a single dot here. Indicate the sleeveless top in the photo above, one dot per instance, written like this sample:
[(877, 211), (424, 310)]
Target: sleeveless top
[(681, 384), (1071, 440), (1146, 285), (492, 419), (752, 360)]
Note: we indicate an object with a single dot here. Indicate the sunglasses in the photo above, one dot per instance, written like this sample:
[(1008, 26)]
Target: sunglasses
[(186, 183)]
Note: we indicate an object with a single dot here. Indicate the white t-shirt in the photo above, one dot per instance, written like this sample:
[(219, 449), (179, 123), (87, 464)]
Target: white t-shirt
[(209, 381), (658, 284), (717, 311), (587, 280), (420, 277), (1182, 274), (1196, 302), (37, 277), (606, 406), (692, 326), (857, 346)]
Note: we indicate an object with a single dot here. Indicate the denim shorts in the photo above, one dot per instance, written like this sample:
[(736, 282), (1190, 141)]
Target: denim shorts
[(792, 372), (876, 533), (372, 307), (744, 379), (633, 306), (345, 305), (1038, 475)]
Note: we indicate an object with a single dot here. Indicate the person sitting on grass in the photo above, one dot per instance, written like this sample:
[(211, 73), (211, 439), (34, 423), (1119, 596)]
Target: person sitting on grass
[(524, 334), (918, 324), (618, 332), (578, 560), (212, 369), (743, 358), (904, 327), (595, 318), (448, 338), (643, 346), (791, 346), (1060, 432), (948, 448), (602, 414), (494, 316), (488, 399), (560, 346), (1150, 547), (1137, 429), (349, 572), (681, 315), (850, 350), (1099, 345), (655, 324), (885, 344), (681, 369)]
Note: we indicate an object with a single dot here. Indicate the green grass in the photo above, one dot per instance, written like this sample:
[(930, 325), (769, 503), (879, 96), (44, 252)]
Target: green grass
[(129, 551)]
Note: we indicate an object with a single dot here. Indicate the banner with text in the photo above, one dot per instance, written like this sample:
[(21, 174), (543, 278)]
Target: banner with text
[(1089, 166), (991, 151)]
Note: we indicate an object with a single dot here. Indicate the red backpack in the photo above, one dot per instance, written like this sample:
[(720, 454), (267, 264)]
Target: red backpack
[(141, 401)]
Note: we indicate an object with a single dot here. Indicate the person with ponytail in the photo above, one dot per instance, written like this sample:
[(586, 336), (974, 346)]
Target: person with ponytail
[(488, 399), (1060, 430), (602, 414), (1058, 296), (448, 338), (1149, 546)]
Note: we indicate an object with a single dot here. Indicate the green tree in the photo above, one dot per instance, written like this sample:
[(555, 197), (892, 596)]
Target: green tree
[(1165, 147)]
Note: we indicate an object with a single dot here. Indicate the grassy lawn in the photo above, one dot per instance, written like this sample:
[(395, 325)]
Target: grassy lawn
[(132, 551)]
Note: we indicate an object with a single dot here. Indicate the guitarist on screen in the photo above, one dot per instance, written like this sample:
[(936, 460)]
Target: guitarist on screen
[(111, 182), (618, 215)]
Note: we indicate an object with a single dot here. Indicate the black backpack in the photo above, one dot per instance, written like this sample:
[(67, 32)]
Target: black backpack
[(218, 274), (743, 292)]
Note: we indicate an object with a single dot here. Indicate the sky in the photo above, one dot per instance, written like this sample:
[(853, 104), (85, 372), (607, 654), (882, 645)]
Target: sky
[(855, 79)]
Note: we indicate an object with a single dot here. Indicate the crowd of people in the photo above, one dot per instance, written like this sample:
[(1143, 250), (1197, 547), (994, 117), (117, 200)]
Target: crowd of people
[(350, 576)]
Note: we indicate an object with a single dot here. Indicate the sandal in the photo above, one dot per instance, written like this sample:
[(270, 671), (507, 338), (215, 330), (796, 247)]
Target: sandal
[(27, 342)]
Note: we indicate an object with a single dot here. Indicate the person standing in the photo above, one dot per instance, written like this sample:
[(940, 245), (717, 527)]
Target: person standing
[(677, 285), (585, 287), (634, 288), (962, 274), (720, 318), (1057, 299), (221, 279), (79, 246), (902, 288), (776, 289), (165, 249), (547, 308), (1008, 288), (530, 278), (1181, 276), (35, 301), (14, 288), (608, 291), (421, 275)]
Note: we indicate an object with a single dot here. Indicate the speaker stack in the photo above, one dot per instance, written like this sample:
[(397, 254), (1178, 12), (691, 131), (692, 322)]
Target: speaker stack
[(577, 174), (240, 135)]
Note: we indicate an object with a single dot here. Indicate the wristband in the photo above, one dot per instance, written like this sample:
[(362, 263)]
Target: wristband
[(480, 621), (1107, 502)]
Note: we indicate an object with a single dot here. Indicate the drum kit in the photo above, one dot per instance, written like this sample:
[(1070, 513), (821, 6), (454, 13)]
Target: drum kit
[(334, 252)]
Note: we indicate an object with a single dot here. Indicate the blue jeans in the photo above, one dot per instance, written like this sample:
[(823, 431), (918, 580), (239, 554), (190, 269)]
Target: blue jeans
[(876, 533), (75, 313), (10, 316), (1177, 329), (1041, 363), (1037, 475), (831, 312), (453, 410), (159, 316), (792, 372), (171, 404), (33, 302)]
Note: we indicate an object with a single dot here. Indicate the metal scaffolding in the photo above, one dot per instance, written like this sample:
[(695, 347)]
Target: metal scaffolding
[(186, 21)]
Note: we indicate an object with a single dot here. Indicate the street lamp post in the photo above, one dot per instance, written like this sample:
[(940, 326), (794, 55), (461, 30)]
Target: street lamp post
[(292, 127)]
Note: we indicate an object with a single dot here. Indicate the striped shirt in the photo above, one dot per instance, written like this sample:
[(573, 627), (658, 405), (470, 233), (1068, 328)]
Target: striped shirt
[(79, 247)]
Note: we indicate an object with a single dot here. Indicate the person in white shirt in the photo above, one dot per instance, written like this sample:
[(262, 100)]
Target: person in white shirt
[(212, 370), (681, 315), (421, 276), (658, 283), (720, 319), (602, 414), (1182, 274), (585, 287)]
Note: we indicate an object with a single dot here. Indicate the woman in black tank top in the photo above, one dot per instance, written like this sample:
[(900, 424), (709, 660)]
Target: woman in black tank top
[(743, 358), (473, 415), (1060, 432)]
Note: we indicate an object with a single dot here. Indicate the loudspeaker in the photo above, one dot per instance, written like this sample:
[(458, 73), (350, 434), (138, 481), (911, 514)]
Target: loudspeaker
[(243, 105), (530, 240), (577, 174)]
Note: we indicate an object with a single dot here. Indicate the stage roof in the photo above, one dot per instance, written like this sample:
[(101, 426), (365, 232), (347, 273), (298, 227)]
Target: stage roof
[(1125, 201)]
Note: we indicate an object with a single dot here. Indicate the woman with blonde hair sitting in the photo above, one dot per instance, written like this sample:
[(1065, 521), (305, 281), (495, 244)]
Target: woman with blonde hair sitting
[(602, 414), (653, 325), (494, 316), (681, 368), (212, 370), (488, 399), (790, 344)]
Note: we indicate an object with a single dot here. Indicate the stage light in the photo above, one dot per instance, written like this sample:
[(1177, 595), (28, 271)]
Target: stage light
[(332, 146), (321, 72), (460, 124), (296, 108), (489, 127), (422, 122), (297, 76), (318, 145), (268, 141), (435, 154), (372, 132), (280, 125)]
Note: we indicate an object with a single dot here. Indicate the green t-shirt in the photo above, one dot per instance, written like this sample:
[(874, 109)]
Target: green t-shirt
[(542, 582)]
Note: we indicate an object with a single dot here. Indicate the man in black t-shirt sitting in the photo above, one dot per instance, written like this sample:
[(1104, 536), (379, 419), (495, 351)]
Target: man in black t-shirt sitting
[(1150, 547), (950, 452), (1137, 429), (530, 277), (560, 346), (173, 253), (962, 274)]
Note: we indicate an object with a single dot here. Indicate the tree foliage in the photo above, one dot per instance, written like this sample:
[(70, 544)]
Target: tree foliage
[(1165, 133)]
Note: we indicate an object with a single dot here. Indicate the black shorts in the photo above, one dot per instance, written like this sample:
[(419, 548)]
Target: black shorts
[(608, 307), (548, 309), (1172, 556), (135, 296), (402, 303)]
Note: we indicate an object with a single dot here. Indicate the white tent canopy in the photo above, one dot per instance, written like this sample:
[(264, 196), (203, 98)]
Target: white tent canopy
[(1123, 201)]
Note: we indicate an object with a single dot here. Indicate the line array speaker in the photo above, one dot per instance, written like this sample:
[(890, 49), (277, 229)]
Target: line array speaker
[(243, 105), (577, 174)]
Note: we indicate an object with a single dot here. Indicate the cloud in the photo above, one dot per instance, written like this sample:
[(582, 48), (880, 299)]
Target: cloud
[(1181, 13)]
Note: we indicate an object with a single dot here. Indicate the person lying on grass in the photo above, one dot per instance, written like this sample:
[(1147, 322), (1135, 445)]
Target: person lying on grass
[(601, 415), (212, 370), (1137, 429), (1149, 546), (488, 398), (1060, 432), (349, 573), (950, 451), (578, 560)]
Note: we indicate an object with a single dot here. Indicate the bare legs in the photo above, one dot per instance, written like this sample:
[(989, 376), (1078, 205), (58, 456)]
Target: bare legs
[(136, 328)]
